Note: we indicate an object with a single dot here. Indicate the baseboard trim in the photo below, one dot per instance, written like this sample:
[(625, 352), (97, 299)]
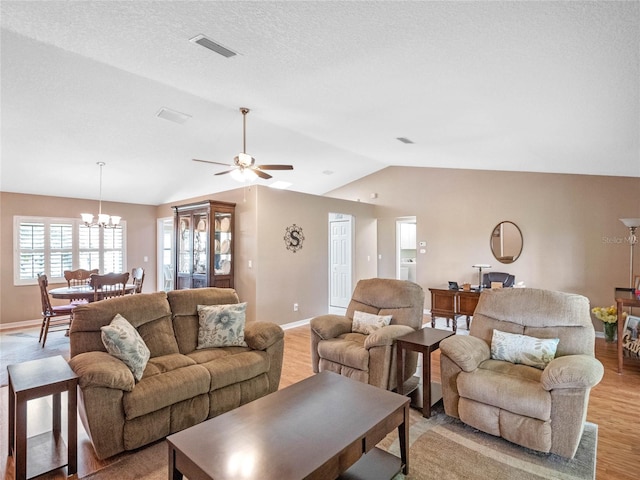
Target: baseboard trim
[(299, 323), (18, 325)]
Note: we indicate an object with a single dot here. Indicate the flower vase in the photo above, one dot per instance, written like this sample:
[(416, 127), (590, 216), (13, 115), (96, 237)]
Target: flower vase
[(610, 330)]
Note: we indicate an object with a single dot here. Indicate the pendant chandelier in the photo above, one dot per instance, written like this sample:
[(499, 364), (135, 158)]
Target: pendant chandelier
[(104, 220)]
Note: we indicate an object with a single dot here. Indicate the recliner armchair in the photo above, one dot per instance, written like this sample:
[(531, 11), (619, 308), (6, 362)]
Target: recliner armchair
[(544, 410), (369, 358)]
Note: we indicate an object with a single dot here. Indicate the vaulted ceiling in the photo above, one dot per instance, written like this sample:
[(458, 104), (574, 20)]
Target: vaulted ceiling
[(524, 86)]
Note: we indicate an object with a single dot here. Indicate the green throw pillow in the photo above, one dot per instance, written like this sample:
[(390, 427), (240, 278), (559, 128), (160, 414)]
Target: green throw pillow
[(221, 325), (123, 341), (514, 348), (368, 323)]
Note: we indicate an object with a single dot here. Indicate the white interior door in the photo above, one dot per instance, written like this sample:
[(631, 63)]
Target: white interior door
[(340, 241), (165, 254)]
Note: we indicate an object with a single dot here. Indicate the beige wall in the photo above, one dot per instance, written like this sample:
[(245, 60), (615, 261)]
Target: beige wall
[(573, 240), (22, 303), (279, 278)]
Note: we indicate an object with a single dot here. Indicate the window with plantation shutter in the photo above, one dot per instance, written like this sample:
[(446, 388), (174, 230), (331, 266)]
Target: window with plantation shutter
[(53, 245)]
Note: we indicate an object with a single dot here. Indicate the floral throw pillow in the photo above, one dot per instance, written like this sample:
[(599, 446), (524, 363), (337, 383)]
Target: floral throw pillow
[(514, 348), (368, 323), (123, 341), (221, 325)]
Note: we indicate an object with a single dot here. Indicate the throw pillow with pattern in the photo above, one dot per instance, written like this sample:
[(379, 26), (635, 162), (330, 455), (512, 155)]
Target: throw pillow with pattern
[(523, 349), (368, 323), (123, 341), (221, 325)]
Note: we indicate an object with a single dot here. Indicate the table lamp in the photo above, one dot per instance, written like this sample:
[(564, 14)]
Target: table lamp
[(480, 266), (632, 224)]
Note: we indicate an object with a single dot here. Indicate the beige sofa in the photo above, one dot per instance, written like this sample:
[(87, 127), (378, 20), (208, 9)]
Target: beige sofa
[(181, 386), (540, 408)]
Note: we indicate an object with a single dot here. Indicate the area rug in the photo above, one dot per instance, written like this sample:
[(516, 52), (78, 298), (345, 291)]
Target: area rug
[(441, 448)]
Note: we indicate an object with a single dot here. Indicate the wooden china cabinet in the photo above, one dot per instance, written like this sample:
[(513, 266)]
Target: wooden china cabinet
[(204, 236)]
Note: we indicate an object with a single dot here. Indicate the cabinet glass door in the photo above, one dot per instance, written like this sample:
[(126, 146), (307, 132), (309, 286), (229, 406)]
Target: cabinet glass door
[(222, 229)]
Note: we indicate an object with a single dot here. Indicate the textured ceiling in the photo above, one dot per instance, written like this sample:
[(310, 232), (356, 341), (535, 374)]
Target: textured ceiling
[(525, 86)]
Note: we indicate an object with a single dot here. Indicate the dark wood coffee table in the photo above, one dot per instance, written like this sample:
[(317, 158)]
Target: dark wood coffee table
[(320, 428), (423, 341)]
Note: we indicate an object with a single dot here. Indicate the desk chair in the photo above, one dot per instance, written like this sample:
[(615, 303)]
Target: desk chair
[(137, 278), (109, 285), (58, 317), (507, 279), (78, 278)]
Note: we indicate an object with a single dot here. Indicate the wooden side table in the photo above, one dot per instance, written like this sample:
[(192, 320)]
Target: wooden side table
[(423, 341), (35, 379)]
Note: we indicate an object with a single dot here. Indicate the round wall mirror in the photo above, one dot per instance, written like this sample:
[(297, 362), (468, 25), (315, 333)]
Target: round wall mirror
[(506, 242)]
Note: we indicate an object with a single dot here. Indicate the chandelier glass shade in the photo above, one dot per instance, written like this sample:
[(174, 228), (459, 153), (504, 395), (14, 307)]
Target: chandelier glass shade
[(103, 220)]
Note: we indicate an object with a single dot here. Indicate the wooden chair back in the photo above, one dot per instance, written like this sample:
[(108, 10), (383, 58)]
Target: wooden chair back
[(137, 278), (109, 285), (58, 317), (43, 283), (79, 277)]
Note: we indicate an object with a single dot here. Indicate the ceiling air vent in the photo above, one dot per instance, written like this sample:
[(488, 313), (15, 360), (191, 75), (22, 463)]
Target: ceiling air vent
[(211, 45), (172, 115)]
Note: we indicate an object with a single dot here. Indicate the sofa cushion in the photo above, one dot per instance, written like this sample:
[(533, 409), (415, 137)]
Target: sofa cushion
[(122, 341), (231, 369), (523, 349), (221, 325), (515, 388), (155, 392), (368, 323), (167, 363), (185, 311), (350, 353)]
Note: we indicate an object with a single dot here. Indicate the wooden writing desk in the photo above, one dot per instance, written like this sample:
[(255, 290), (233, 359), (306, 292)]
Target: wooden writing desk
[(624, 298), (450, 304)]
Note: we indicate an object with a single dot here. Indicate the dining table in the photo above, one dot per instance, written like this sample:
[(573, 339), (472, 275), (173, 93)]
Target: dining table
[(82, 292)]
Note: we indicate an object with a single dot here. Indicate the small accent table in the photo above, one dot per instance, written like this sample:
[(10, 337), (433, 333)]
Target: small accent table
[(425, 341), (31, 380), (450, 304), (625, 297)]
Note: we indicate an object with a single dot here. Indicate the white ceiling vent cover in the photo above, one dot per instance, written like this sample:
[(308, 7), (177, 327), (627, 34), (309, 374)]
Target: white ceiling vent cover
[(211, 45), (173, 115)]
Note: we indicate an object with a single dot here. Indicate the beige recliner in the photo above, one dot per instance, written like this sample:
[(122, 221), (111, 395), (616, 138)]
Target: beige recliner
[(544, 410), (369, 358)]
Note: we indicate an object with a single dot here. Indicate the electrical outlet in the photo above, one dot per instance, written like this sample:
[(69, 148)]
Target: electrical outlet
[(295, 307)]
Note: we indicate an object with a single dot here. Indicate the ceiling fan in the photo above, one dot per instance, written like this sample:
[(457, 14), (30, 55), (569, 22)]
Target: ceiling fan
[(244, 165)]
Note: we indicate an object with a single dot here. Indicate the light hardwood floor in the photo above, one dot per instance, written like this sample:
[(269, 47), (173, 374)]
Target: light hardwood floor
[(614, 405)]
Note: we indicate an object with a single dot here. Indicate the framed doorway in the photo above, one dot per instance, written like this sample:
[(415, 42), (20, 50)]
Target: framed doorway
[(340, 259)]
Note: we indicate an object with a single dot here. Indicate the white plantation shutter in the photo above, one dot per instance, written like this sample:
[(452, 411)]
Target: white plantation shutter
[(53, 245), (60, 249), (31, 241)]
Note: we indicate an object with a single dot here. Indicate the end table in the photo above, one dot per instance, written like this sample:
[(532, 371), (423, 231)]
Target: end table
[(425, 341), (35, 379)]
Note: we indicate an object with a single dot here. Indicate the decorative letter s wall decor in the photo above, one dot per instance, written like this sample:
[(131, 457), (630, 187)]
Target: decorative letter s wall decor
[(293, 238)]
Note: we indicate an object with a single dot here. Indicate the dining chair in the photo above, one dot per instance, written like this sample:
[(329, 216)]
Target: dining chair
[(54, 318), (109, 285), (137, 278), (78, 278)]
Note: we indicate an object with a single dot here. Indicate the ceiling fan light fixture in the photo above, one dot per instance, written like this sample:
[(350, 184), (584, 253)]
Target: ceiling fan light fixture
[(245, 160), (243, 175)]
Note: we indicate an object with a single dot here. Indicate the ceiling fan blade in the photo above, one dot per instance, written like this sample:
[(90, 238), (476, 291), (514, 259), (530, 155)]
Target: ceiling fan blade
[(261, 174), (226, 171), (275, 167), (210, 161)]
